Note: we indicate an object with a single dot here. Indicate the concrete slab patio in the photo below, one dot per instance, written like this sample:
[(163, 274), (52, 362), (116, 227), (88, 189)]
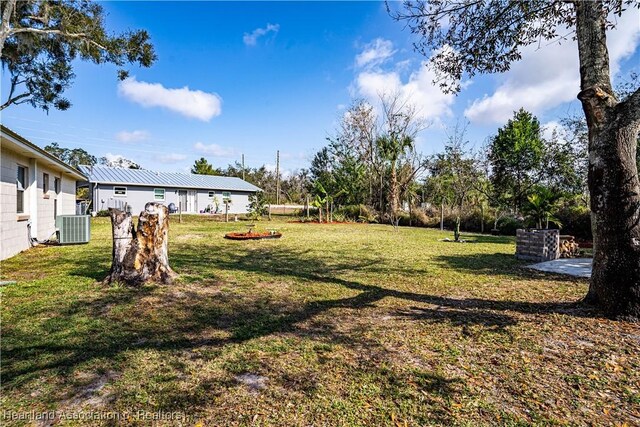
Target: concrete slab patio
[(580, 267)]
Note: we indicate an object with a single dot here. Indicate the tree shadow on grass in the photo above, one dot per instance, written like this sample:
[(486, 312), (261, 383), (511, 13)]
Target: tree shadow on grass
[(499, 264), (485, 238), (159, 318)]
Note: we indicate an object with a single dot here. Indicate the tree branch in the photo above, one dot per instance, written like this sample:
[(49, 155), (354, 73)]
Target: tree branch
[(14, 100), (82, 36), (629, 109), (44, 20), (14, 83), (4, 26)]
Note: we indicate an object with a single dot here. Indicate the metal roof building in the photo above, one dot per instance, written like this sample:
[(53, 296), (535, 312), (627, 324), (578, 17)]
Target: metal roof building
[(118, 187), (109, 175)]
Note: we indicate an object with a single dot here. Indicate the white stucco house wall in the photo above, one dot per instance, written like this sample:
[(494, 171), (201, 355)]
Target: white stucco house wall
[(111, 187), (35, 187)]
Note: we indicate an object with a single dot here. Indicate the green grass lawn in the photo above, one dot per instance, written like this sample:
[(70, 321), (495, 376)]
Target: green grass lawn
[(330, 325)]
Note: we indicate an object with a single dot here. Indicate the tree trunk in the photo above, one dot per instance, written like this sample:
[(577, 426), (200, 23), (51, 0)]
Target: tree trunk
[(326, 211), (140, 255), (481, 218), (5, 25), (381, 195), (613, 176), (442, 216), (393, 189)]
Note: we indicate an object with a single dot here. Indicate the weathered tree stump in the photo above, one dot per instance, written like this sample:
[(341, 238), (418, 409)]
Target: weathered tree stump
[(140, 255)]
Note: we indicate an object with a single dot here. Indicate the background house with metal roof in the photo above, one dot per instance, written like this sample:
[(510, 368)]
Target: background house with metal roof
[(116, 187), (35, 189)]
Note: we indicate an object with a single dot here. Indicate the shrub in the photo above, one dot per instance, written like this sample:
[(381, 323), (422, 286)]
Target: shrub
[(403, 218), (360, 213), (338, 217), (576, 220), (471, 221), (257, 206), (509, 224), (102, 213), (417, 219)]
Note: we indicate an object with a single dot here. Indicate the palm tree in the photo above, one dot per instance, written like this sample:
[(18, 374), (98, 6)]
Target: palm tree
[(542, 206), (391, 148)]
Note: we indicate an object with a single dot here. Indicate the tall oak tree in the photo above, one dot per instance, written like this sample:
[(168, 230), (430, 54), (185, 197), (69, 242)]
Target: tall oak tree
[(467, 37), (40, 39)]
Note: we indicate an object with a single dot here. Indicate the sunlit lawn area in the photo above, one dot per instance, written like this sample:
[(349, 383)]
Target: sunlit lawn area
[(330, 325)]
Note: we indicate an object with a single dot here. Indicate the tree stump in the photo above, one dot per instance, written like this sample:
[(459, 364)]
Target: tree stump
[(140, 255)]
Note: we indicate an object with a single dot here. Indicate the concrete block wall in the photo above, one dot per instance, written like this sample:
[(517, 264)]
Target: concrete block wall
[(13, 233), (537, 245), (38, 206)]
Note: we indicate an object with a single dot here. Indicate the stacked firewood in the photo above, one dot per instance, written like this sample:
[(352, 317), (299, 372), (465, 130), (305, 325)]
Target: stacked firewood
[(568, 247)]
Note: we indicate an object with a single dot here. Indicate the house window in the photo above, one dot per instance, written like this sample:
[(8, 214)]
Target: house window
[(120, 191), (56, 185), (212, 194), (226, 196), (21, 184), (45, 183), (158, 194)]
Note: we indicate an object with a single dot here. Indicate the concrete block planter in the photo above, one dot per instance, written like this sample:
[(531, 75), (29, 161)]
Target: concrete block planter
[(537, 245)]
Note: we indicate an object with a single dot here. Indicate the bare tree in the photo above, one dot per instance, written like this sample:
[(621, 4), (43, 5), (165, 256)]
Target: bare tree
[(400, 124)]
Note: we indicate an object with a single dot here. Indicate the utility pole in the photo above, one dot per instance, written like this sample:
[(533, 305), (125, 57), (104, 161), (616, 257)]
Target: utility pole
[(278, 177), (243, 166)]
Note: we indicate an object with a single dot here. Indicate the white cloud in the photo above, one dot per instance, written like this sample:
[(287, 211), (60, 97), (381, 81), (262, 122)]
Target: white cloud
[(171, 158), (375, 80), (550, 127), (214, 150), (118, 161), (418, 90), (190, 103), (550, 75), (113, 157), (284, 173), (133, 136), (250, 39), (375, 53), (403, 65)]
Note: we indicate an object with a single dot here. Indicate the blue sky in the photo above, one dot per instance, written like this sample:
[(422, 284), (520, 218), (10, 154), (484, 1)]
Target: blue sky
[(254, 78)]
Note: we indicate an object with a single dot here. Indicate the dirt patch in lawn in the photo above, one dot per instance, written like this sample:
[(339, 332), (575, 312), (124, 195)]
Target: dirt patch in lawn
[(92, 392)]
